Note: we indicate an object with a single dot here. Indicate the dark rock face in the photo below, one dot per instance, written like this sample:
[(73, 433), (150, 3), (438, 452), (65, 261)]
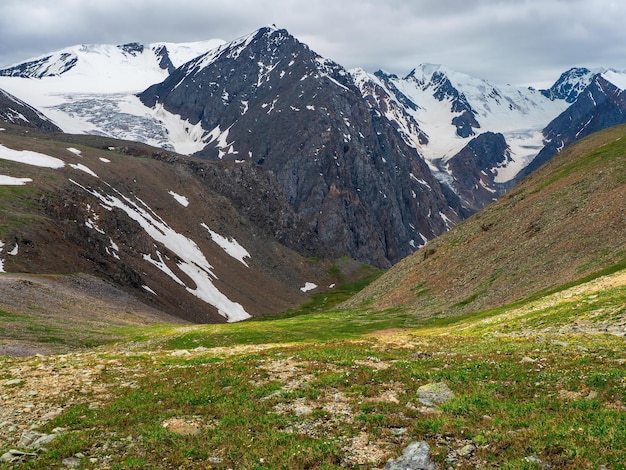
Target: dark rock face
[(569, 85), (472, 169), (268, 100), (15, 111), (257, 196), (165, 62), (444, 90), (600, 106), (132, 48), (42, 67)]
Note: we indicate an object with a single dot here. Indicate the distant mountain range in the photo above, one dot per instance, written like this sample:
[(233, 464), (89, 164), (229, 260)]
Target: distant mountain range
[(375, 165)]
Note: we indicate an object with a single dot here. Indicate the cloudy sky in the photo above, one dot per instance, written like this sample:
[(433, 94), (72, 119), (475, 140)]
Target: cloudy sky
[(522, 42)]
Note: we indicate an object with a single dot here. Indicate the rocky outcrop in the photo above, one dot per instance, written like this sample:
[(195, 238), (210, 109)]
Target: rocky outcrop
[(415, 457), (473, 169)]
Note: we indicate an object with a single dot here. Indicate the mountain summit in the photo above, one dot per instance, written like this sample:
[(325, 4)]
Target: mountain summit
[(267, 99)]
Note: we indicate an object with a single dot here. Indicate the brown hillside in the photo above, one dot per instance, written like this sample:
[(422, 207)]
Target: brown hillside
[(564, 222), (57, 226)]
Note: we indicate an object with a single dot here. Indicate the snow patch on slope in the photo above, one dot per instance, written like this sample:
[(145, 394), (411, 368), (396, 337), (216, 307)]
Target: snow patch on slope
[(13, 252), (30, 158), (83, 168), (182, 200), (191, 260), (309, 286), (230, 246), (12, 181)]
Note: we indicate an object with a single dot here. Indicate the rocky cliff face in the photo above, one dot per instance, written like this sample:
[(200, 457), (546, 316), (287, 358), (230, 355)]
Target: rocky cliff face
[(472, 169), (268, 100), (15, 111)]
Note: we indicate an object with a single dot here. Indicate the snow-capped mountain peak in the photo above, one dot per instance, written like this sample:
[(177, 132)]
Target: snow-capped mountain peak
[(570, 84), (90, 89), (109, 68), (452, 107), (194, 98)]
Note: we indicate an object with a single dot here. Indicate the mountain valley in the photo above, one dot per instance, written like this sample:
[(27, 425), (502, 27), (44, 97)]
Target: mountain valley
[(242, 255)]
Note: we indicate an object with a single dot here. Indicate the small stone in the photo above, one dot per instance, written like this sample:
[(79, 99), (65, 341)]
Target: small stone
[(398, 431), (43, 441), (101, 367), (52, 414), (8, 457), (434, 394), (14, 455), (28, 438), (71, 462), (180, 352), (302, 410), (415, 457), (466, 451), (452, 457), (526, 360), (421, 355), (592, 395), (13, 382)]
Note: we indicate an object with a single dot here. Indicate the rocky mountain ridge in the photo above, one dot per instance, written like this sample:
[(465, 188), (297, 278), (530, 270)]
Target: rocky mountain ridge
[(274, 103), (15, 111)]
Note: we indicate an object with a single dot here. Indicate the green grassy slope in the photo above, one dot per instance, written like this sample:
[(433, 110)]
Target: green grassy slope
[(541, 382)]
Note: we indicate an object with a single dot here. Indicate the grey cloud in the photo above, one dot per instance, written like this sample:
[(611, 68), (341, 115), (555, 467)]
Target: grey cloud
[(515, 42)]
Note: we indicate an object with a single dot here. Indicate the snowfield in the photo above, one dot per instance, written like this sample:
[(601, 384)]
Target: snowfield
[(182, 200), (97, 94)]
